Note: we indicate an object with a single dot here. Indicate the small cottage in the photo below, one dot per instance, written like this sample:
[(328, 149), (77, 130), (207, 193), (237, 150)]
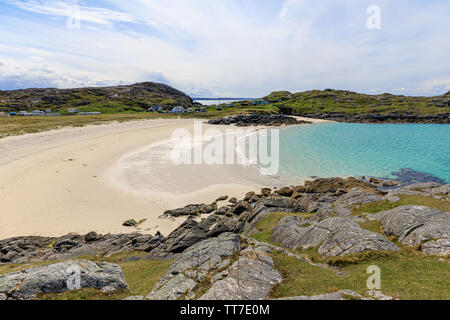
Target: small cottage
[(178, 109)]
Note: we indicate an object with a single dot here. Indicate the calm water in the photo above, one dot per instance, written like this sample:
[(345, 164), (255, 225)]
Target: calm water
[(215, 102), (338, 149)]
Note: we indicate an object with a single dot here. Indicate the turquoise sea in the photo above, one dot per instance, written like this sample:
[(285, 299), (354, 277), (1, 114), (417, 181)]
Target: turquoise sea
[(342, 149)]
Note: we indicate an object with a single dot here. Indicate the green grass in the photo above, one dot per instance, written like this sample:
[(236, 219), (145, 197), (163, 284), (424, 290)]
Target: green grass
[(264, 228), (339, 101), (404, 275), (380, 206)]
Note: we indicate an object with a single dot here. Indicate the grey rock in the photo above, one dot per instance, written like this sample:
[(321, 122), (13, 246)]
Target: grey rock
[(191, 267), (427, 189), (134, 298), (342, 207), (251, 277), (334, 236), (340, 295), (440, 247), (378, 295), (415, 225), (28, 283)]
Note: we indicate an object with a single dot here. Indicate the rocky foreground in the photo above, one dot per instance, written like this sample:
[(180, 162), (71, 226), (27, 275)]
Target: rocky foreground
[(216, 257)]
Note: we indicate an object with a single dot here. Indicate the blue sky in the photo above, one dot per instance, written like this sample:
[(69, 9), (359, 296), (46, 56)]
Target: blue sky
[(222, 48)]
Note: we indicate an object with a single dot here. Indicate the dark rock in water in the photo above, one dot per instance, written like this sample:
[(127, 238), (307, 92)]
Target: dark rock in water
[(257, 120), (409, 176)]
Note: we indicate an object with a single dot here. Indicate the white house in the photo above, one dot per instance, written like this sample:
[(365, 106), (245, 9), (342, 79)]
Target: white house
[(178, 109)]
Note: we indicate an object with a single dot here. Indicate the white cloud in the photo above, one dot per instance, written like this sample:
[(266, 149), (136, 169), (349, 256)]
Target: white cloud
[(72, 9), (234, 47)]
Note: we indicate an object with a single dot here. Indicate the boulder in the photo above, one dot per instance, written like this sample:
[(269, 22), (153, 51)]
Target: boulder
[(193, 265), (334, 236), (56, 278), (191, 210), (418, 225), (285, 192), (251, 277), (332, 185), (343, 205)]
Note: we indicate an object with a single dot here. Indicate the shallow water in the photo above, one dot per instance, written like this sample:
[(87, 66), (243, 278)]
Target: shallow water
[(341, 149)]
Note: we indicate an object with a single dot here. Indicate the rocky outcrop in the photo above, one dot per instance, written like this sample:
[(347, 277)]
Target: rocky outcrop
[(337, 185), (426, 189), (334, 236), (340, 295), (381, 118), (251, 277), (257, 120), (221, 268), (343, 206), (417, 225), (61, 277), (192, 267), (191, 210), (35, 249)]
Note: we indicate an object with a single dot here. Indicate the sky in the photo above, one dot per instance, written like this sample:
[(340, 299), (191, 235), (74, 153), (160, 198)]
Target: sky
[(228, 48)]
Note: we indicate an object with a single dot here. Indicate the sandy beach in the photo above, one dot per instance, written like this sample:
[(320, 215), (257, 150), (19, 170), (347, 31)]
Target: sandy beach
[(94, 178), (79, 180)]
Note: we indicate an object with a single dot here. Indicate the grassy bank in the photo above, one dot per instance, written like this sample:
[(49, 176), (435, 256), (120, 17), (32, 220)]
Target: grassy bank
[(406, 274)]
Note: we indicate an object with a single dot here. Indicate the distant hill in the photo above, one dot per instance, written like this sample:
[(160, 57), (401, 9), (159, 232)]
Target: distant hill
[(333, 102), (123, 98)]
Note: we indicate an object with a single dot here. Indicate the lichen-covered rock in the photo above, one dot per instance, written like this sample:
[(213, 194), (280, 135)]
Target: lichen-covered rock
[(415, 225), (340, 295), (35, 249), (251, 277), (191, 210), (425, 189), (334, 236), (54, 278), (342, 207), (332, 185), (191, 267)]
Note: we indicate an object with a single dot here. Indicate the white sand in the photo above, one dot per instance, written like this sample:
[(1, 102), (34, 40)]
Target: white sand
[(89, 179), (96, 177)]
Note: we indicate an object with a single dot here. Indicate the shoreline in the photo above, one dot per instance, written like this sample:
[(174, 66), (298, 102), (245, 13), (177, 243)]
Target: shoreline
[(65, 181)]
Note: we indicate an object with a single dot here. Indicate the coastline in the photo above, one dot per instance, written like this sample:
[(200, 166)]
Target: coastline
[(69, 180)]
